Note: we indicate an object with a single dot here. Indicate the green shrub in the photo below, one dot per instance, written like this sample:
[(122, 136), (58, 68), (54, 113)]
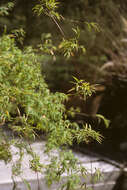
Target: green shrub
[(25, 100), (26, 103)]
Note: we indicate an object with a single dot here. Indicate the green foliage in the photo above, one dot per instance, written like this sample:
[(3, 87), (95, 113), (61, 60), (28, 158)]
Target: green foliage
[(19, 34), (4, 10), (35, 164), (65, 163), (70, 47), (106, 121), (67, 166), (5, 153), (47, 46), (17, 165), (86, 133), (93, 25), (26, 103), (47, 7), (27, 184), (82, 88)]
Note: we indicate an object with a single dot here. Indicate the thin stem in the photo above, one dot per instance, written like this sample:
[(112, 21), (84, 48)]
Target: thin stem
[(62, 32), (38, 181), (54, 20)]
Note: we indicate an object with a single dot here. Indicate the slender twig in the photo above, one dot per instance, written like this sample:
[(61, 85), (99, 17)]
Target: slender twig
[(61, 31), (18, 112), (54, 20), (38, 182)]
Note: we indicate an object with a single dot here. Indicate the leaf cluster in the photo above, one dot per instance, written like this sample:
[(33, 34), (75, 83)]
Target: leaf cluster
[(4, 10), (47, 7), (82, 88), (26, 102), (5, 153), (67, 166)]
